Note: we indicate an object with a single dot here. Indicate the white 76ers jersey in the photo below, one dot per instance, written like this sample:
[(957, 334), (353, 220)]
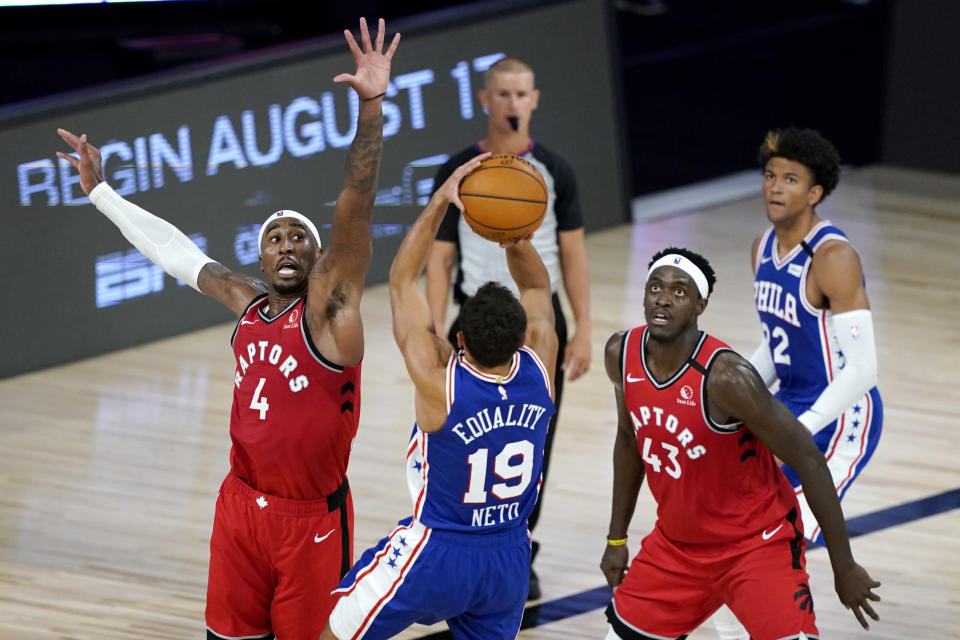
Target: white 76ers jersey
[(481, 472)]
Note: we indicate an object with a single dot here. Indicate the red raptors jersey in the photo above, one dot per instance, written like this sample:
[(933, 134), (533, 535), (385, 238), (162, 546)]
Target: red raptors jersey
[(712, 483), (294, 413)]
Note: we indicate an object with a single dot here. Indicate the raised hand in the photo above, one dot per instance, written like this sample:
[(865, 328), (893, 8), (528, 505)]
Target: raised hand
[(89, 164), (373, 66), (449, 191), (855, 589)]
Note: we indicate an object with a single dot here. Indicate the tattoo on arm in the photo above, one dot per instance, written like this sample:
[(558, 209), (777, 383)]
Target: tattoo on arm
[(363, 160)]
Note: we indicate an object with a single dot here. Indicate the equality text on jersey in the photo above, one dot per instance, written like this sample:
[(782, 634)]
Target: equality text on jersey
[(645, 416), (524, 415), (771, 298), (264, 351)]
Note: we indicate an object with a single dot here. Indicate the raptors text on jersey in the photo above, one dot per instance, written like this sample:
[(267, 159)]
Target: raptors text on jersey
[(294, 412), (713, 483)]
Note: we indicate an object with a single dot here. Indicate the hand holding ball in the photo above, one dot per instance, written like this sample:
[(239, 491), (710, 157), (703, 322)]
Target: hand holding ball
[(504, 199)]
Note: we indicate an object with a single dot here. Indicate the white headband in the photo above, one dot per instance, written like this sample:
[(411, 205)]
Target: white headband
[(287, 213), (684, 264)]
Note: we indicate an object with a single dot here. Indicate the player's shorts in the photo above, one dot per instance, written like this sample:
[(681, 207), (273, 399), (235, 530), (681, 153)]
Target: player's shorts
[(847, 443), (671, 589), (274, 562), (476, 582)]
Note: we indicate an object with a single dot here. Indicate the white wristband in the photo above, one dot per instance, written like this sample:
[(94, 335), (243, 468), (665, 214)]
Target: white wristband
[(158, 240)]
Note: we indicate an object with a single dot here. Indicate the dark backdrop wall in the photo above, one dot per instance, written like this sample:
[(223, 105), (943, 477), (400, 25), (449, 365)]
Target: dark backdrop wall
[(215, 150), (704, 81), (922, 124), (699, 82)]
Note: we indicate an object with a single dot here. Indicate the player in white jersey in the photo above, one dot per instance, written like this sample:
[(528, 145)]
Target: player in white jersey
[(818, 341), (476, 455)]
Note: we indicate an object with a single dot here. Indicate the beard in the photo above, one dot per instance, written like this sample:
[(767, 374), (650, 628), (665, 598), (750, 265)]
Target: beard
[(286, 287)]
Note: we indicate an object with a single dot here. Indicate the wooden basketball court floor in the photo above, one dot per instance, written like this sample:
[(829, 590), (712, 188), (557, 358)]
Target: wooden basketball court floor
[(109, 467)]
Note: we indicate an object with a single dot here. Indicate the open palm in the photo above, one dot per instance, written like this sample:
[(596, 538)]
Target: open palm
[(373, 65)]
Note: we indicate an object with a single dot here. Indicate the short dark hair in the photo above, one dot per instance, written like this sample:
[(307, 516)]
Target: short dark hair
[(702, 263), (506, 65), (493, 324), (807, 147)]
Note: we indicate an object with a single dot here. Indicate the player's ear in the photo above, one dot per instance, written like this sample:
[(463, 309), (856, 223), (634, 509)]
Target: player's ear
[(701, 305), (460, 344), (484, 97), (535, 95), (815, 195)]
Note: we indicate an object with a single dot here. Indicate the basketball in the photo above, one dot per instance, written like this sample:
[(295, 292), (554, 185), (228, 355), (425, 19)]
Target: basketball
[(505, 198)]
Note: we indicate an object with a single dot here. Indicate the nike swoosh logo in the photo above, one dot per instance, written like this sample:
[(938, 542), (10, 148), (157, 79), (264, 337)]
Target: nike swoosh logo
[(630, 378), (248, 322), (317, 538), (765, 260), (767, 536)]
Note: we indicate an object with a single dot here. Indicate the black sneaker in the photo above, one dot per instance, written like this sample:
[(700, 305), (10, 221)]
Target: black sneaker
[(534, 592)]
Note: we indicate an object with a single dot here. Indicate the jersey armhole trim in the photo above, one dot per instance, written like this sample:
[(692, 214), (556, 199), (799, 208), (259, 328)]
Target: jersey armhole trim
[(451, 386), (243, 315), (623, 357), (761, 249), (312, 348), (730, 427), (540, 366)]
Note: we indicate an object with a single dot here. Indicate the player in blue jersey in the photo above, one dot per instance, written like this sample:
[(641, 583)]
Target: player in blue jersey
[(475, 458), (818, 339)]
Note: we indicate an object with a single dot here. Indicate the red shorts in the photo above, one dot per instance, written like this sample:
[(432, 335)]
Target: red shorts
[(275, 561), (670, 588)]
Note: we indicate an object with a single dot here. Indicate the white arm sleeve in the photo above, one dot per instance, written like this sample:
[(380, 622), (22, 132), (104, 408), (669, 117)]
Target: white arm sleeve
[(158, 240), (855, 336), (762, 361)]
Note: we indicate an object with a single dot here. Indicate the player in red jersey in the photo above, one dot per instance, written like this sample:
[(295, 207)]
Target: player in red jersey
[(697, 420), (283, 529)]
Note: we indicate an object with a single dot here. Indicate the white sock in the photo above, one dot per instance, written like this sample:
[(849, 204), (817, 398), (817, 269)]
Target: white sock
[(727, 625)]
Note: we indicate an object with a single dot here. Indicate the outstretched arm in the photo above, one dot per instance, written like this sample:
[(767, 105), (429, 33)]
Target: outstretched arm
[(439, 264), (336, 282), (628, 472), (533, 281), (838, 274), (442, 254), (424, 352), (158, 240), (736, 391)]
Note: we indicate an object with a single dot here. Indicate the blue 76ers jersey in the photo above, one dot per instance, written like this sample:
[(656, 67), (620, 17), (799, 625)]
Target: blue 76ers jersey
[(481, 472), (802, 341)]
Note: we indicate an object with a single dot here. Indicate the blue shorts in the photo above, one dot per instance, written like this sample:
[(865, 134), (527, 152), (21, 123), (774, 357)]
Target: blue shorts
[(847, 444), (476, 582)]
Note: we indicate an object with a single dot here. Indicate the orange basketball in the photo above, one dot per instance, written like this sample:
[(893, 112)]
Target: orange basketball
[(505, 198)]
